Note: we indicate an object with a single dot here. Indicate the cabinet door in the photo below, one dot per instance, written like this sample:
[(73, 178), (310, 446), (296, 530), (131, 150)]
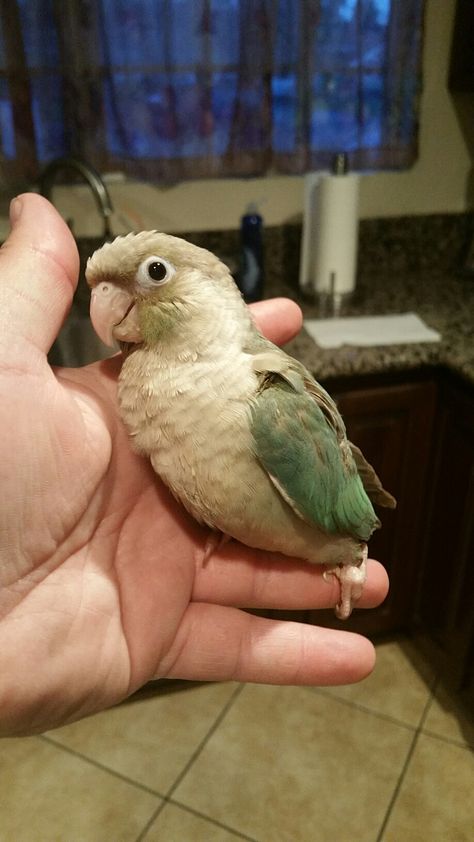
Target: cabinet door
[(446, 605), (392, 426)]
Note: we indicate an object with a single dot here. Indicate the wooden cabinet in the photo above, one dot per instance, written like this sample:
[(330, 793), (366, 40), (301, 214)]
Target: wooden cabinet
[(392, 424), (419, 436), (461, 69), (445, 609)]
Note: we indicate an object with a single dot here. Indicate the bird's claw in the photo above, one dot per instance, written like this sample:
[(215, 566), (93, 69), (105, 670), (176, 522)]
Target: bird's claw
[(352, 578), (214, 542)]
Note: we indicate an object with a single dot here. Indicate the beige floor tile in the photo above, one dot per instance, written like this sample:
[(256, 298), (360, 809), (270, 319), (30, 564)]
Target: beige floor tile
[(149, 741), (399, 686), (288, 765), (435, 802), (447, 718), (177, 825), (47, 795)]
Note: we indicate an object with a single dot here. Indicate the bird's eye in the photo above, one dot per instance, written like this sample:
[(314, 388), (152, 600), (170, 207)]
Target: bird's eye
[(154, 271)]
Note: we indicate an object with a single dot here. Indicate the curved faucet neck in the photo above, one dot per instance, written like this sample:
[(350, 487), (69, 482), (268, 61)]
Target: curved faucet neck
[(101, 195)]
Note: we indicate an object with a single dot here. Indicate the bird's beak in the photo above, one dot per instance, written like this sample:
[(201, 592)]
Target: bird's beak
[(114, 314)]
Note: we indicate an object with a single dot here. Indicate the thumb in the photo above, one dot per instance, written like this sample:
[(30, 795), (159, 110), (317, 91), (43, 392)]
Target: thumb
[(39, 266)]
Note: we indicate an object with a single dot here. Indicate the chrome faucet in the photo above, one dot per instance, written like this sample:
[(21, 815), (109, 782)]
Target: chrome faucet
[(49, 175), (77, 343)]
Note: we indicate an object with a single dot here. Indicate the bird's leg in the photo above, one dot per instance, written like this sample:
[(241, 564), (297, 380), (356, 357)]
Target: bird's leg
[(214, 542), (352, 578)]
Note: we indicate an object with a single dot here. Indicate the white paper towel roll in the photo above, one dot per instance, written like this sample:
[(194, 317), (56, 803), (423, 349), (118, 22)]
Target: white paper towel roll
[(337, 225)]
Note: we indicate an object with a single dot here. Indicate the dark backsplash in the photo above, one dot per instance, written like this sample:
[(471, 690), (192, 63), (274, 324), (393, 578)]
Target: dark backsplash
[(416, 243), (435, 242)]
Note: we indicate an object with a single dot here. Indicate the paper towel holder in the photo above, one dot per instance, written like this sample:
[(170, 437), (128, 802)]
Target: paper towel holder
[(340, 164), (330, 294), (332, 304), (320, 279)]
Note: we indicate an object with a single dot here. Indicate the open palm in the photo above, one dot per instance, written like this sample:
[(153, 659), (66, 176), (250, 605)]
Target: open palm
[(102, 581)]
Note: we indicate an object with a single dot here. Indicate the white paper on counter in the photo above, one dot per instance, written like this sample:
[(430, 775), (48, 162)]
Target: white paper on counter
[(367, 331)]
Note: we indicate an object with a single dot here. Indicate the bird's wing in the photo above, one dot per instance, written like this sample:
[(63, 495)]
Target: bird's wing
[(300, 440)]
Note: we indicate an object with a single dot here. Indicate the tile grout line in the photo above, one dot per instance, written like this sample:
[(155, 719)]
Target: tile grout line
[(386, 717), (151, 821), (406, 764), (452, 741), (225, 710), (175, 803), (100, 766), (459, 742), (192, 759), (216, 822)]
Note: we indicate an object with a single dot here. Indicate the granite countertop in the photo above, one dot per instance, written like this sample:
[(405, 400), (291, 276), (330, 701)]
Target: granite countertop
[(443, 300)]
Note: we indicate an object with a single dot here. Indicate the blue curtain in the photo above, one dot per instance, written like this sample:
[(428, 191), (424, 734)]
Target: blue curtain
[(173, 89)]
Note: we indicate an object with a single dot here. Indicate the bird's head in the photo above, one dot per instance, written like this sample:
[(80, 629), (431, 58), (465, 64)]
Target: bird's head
[(147, 285)]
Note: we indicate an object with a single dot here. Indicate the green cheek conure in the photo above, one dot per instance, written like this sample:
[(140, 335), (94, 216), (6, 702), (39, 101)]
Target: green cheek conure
[(240, 432)]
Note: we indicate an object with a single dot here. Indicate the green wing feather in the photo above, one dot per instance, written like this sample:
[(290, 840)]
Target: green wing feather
[(300, 440)]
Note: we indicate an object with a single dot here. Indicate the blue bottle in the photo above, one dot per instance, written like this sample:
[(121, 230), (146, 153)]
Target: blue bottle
[(250, 275)]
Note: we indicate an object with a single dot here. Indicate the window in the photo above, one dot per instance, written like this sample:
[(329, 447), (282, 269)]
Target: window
[(174, 89)]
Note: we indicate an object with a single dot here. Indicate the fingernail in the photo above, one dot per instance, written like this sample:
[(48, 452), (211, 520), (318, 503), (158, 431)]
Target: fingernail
[(16, 206)]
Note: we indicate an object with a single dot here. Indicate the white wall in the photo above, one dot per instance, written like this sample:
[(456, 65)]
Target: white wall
[(436, 183)]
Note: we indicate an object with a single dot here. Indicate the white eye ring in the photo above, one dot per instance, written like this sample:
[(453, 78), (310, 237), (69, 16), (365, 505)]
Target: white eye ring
[(154, 271)]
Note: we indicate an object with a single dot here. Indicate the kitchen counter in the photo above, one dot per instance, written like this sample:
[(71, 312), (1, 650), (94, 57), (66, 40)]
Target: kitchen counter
[(444, 301)]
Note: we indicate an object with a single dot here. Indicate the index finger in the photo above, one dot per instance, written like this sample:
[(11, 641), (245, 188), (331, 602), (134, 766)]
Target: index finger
[(246, 578)]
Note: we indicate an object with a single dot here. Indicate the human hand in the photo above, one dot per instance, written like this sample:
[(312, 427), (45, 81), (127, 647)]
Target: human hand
[(102, 582)]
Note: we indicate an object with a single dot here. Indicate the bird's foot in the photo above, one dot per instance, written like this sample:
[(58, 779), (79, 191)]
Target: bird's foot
[(214, 542), (352, 578)]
